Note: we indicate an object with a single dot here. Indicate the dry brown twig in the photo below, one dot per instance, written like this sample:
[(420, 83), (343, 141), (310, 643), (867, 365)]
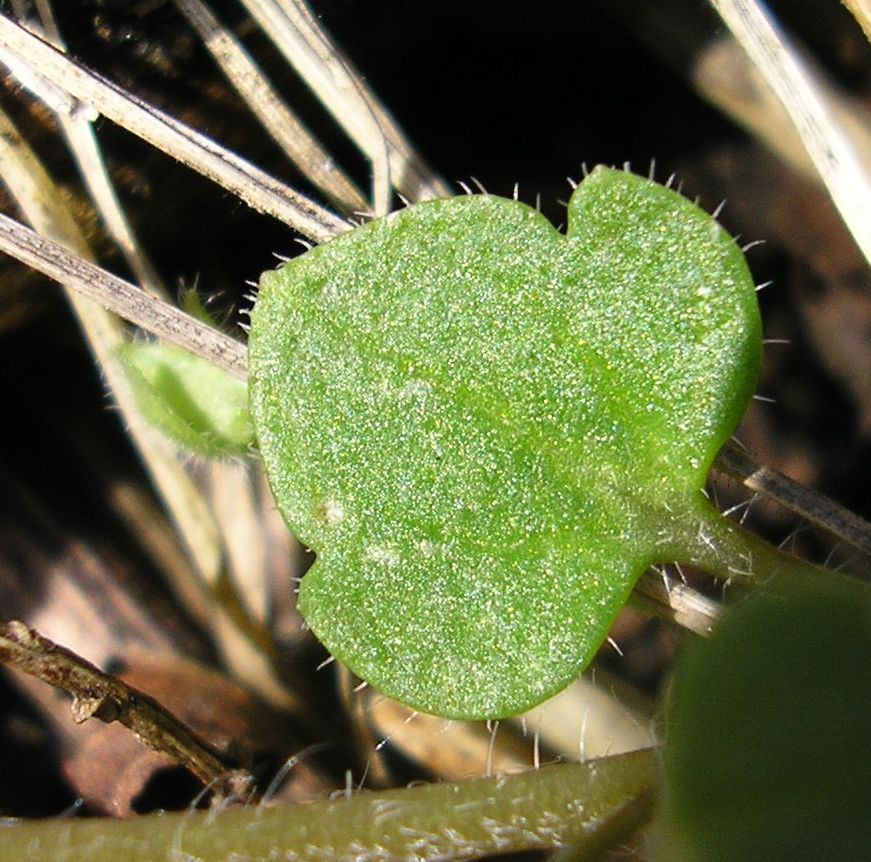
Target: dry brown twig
[(98, 695)]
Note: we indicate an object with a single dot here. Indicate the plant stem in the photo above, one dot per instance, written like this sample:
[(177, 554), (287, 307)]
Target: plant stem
[(565, 805), (726, 550)]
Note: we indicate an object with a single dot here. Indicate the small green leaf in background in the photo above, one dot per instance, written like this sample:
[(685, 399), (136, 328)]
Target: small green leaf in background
[(192, 303), (487, 429), (198, 406), (768, 736)]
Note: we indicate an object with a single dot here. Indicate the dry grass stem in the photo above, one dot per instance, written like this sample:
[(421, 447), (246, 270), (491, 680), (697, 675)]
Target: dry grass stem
[(861, 10), (128, 301), (726, 76), (257, 188), (297, 34), (78, 131), (809, 504), (795, 86), (39, 200), (274, 115), (677, 602)]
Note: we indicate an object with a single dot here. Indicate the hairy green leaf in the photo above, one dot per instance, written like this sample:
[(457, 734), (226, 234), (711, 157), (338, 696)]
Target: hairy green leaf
[(198, 406), (485, 428)]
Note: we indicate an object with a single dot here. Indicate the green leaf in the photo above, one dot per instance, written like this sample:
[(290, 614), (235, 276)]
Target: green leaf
[(198, 406), (768, 738), (485, 428), (191, 302)]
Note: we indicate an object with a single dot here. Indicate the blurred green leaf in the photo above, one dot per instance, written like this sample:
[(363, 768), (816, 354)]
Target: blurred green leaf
[(191, 302), (768, 738), (198, 406)]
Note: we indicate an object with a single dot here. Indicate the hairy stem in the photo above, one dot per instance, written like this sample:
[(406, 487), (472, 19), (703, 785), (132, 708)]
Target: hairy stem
[(559, 806), (726, 550)]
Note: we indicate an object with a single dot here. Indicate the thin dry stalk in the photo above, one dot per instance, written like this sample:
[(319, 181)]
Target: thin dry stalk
[(726, 76), (861, 10), (319, 61), (828, 147), (128, 301), (257, 188), (285, 127), (809, 504), (92, 292)]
